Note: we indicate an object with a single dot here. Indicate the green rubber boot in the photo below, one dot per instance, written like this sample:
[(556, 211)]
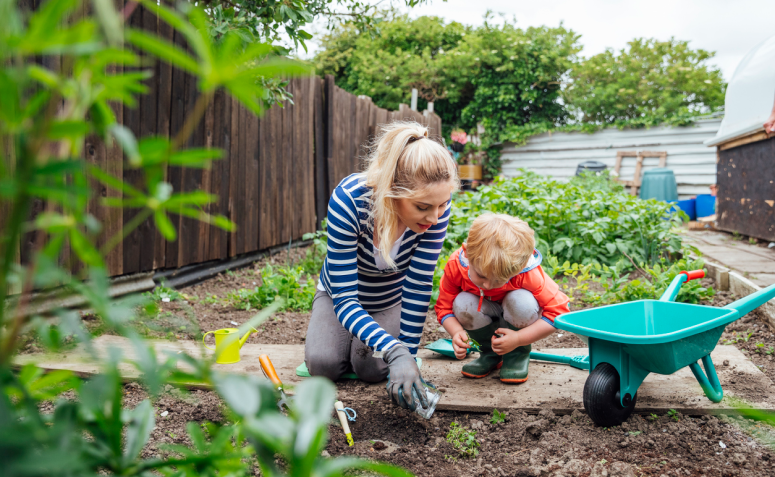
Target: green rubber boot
[(488, 360), (515, 363)]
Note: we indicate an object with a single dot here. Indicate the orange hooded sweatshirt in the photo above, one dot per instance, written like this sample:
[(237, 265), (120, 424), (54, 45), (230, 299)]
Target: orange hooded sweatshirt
[(455, 280)]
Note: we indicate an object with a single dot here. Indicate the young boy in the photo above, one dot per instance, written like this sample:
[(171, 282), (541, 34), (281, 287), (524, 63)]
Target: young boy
[(496, 276)]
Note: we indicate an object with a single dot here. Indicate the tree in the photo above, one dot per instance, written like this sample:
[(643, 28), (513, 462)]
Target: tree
[(646, 83)]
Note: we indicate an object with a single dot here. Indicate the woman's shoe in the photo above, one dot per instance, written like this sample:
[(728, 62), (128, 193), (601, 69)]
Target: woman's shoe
[(488, 360)]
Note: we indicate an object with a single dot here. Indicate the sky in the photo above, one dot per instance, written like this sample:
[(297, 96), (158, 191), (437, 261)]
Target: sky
[(728, 27)]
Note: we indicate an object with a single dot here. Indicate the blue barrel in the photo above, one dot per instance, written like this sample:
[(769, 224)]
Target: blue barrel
[(706, 205), (688, 206), (659, 183)]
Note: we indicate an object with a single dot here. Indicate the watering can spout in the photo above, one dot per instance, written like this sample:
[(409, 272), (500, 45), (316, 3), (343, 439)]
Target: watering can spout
[(244, 339), (752, 301)]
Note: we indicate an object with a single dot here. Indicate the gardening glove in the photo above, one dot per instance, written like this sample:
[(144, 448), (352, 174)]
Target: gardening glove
[(404, 374)]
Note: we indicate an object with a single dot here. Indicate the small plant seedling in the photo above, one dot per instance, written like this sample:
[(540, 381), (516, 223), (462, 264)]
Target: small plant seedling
[(653, 417), (497, 417), (635, 433), (673, 414), (771, 350), (759, 347), (752, 241), (474, 344), (463, 440), (172, 435)]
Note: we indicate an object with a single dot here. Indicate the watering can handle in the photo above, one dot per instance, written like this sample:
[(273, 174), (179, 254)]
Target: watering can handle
[(694, 274), (268, 368), (203, 340)]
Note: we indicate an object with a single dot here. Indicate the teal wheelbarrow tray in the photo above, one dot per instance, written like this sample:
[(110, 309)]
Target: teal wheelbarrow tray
[(628, 341)]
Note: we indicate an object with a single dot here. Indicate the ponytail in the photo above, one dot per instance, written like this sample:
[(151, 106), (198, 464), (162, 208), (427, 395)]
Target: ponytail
[(402, 163)]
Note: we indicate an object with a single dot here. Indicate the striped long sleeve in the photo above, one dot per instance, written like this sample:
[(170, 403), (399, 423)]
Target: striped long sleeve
[(357, 287)]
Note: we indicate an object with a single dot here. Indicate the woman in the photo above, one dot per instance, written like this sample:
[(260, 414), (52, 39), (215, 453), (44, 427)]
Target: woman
[(386, 227)]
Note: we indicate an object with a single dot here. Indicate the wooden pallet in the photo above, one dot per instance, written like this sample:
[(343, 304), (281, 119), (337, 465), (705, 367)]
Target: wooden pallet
[(634, 184)]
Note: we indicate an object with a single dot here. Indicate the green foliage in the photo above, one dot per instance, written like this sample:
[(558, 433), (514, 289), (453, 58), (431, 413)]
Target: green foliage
[(463, 440), (313, 260), (645, 83), (673, 414), (162, 294), (572, 223), (497, 417), (45, 116), (497, 75), (595, 182), (291, 285)]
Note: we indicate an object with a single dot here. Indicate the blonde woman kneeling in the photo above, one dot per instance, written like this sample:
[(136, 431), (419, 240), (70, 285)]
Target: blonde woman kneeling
[(386, 227)]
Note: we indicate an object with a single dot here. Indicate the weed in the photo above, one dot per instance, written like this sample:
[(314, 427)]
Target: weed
[(463, 440), (736, 236), (759, 347), (635, 433), (211, 300), (673, 414), (497, 417), (770, 351), (653, 417), (739, 338), (162, 294), (291, 284), (753, 241)]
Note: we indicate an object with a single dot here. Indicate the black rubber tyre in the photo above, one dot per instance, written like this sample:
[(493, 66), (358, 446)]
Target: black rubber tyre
[(601, 397)]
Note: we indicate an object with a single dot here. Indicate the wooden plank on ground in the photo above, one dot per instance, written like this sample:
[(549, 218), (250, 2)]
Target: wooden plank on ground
[(551, 386)]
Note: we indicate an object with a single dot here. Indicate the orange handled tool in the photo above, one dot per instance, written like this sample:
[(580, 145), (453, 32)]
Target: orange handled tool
[(268, 368)]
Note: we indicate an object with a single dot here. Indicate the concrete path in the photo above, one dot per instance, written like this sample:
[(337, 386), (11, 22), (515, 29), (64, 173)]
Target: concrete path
[(551, 386), (751, 261)]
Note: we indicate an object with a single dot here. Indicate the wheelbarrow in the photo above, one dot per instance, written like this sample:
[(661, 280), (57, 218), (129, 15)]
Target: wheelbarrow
[(627, 341)]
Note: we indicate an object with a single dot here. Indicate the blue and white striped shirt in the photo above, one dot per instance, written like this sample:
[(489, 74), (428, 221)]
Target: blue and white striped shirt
[(355, 284)]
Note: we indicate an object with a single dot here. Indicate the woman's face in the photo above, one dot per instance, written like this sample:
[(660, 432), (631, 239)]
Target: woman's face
[(423, 211)]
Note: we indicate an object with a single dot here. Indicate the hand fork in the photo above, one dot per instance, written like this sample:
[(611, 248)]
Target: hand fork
[(268, 368)]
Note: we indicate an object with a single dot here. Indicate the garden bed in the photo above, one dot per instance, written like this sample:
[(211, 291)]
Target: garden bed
[(523, 444)]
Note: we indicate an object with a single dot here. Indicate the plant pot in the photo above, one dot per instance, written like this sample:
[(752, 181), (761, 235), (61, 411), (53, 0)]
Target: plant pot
[(469, 172), (457, 147)]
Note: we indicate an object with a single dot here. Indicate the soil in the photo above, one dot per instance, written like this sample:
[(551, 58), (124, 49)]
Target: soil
[(523, 445)]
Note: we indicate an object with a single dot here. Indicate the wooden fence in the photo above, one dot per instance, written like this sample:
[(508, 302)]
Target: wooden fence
[(274, 181)]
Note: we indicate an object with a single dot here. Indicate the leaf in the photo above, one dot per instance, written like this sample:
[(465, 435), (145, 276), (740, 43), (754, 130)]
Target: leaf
[(199, 157), (240, 393), (127, 141), (139, 430), (610, 247), (68, 130), (165, 226), (163, 50)]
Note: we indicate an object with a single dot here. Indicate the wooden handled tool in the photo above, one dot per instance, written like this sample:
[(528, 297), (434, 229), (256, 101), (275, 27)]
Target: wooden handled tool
[(343, 419), (268, 368)]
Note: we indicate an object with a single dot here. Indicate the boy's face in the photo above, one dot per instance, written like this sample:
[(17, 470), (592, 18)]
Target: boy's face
[(485, 283)]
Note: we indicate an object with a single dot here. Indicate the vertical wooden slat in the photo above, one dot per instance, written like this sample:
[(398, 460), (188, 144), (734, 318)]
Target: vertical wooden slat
[(321, 163), (132, 118), (239, 191), (164, 77), (309, 224), (234, 159), (175, 174), (220, 172), (203, 254), (252, 190), (267, 185), (287, 193)]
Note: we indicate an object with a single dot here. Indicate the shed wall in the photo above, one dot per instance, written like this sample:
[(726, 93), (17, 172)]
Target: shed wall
[(558, 154)]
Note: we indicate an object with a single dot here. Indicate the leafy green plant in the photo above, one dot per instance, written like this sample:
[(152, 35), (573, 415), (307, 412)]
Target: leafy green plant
[(497, 417), (463, 440), (62, 68), (290, 284), (653, 417), (673, 414), (313, 260), (162, 294)]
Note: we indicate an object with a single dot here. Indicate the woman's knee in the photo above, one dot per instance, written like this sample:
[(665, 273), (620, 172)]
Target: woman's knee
[(327, 365), (465, 306), (520, 308), (371, 372)]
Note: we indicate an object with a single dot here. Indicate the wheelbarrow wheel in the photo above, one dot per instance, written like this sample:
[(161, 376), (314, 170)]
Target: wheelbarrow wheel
[(601, 397)]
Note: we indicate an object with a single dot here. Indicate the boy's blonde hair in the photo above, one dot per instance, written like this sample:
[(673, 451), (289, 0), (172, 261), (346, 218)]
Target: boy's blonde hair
[(499, 245), (403, 162)]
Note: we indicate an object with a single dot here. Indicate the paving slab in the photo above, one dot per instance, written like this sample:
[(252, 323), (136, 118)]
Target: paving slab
[(751, 261), (551, 386)]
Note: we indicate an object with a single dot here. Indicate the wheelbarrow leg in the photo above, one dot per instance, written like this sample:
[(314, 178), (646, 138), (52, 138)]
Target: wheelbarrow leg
[(710, 384)]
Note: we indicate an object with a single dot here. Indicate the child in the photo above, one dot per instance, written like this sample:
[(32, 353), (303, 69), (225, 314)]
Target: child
[(496, 276)]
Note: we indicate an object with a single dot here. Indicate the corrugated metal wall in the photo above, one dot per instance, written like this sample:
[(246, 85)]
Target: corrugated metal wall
[(558, 154)]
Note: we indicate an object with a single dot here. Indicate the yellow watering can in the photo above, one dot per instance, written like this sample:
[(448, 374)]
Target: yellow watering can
[(227, 344)]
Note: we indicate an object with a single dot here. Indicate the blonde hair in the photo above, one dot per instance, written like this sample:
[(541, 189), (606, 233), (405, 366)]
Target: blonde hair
[(403, 162), (499, 245)]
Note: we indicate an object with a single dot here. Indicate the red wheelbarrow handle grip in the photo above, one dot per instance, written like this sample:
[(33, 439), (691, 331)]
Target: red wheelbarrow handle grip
[(694, 274)]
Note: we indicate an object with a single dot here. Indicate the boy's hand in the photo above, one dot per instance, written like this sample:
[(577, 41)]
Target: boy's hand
[(460, 344), (508, 341)]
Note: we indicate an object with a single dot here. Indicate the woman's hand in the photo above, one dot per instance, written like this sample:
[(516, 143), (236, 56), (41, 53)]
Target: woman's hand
[(404, 375), (508, 341), (769, 124), (460, 344)]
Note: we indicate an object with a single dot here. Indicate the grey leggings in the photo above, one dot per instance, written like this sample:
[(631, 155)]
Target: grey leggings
[(330, 350), (519, 309)]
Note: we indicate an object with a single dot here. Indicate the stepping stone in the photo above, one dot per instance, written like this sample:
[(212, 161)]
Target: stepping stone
[(551, 386)]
